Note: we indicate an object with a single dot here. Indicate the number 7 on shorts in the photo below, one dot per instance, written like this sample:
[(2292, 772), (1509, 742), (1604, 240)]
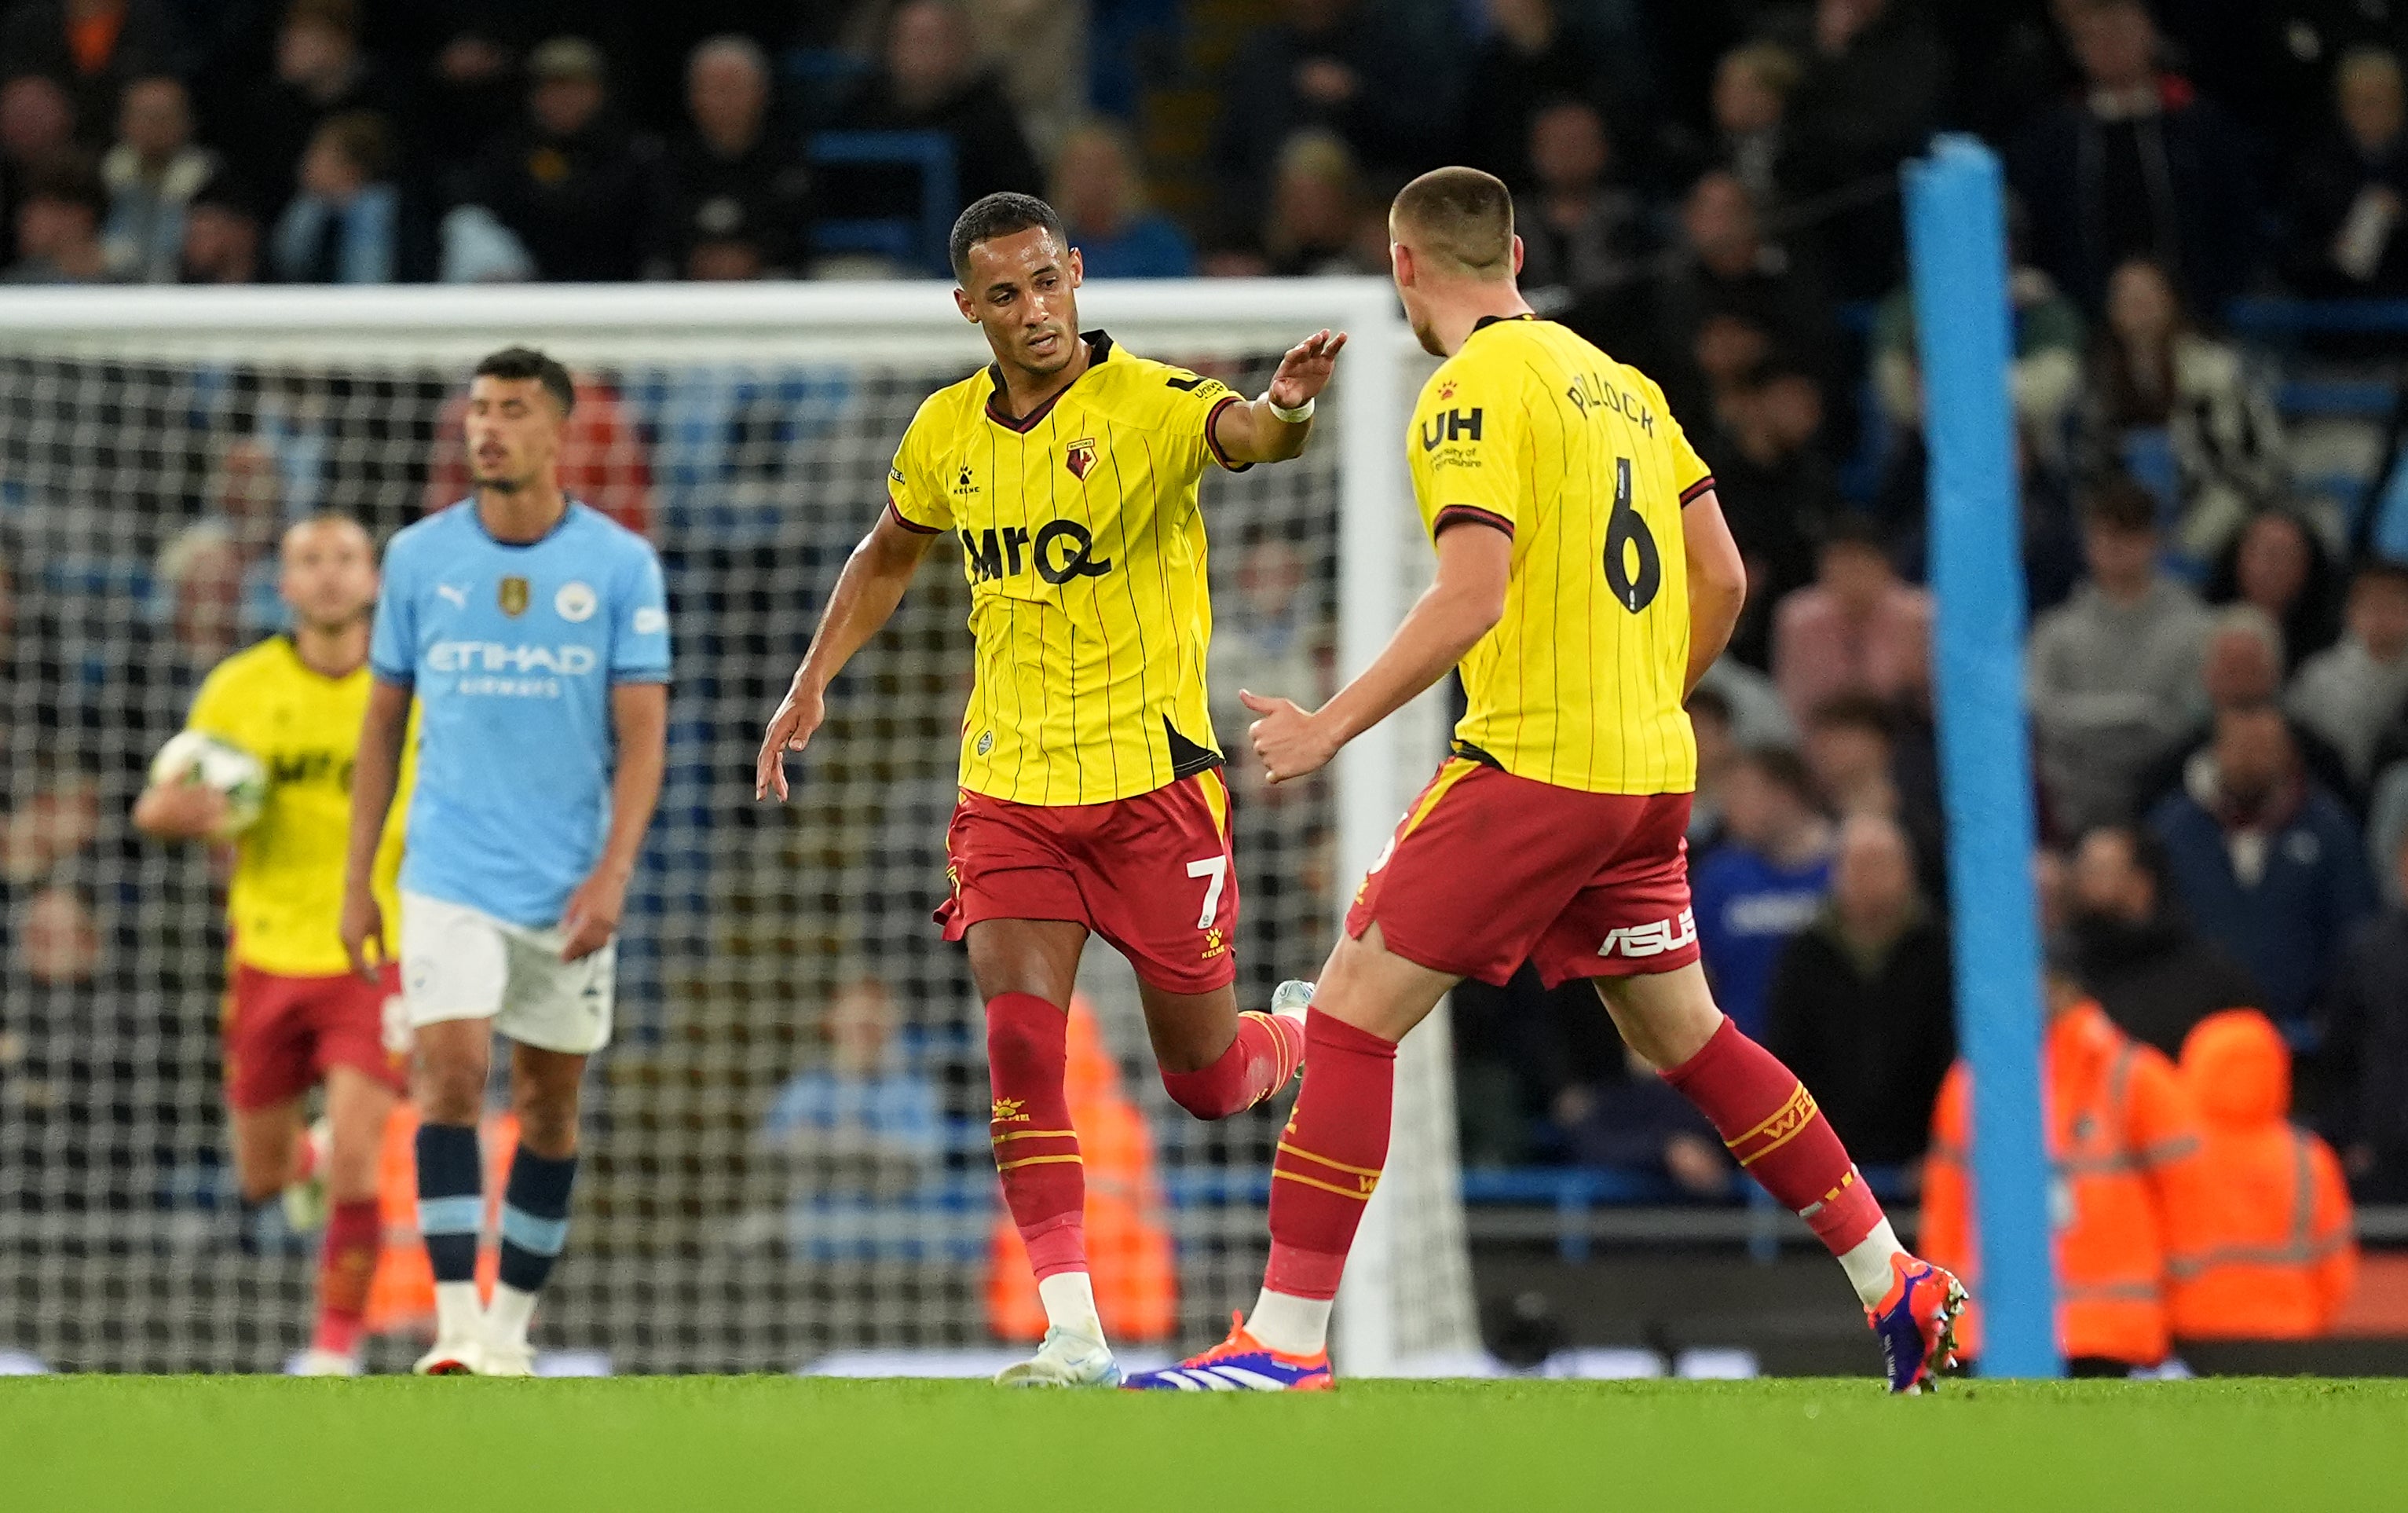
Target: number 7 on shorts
[(1217, 869)]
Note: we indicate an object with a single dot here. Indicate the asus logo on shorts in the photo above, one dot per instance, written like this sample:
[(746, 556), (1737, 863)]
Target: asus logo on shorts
[(1640, 942), (492, 656)]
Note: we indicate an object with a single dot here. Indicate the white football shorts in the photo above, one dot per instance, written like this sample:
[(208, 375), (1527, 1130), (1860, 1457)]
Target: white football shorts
[(462, 963)]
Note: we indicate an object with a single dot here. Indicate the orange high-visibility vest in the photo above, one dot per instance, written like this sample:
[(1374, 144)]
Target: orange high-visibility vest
[(2269, 1250), (2123, 1141), (401, 1294), (1129, 1254)]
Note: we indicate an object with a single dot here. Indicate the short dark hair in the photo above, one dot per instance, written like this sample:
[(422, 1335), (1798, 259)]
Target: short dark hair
[(2378, 569), (518, 363), (1855, 710), (1782, 768), (1853, 527), (365, 141), (1466, 216), (999, 215), (70, 179), (2148, 853), (2119, 502), (1711, 702)]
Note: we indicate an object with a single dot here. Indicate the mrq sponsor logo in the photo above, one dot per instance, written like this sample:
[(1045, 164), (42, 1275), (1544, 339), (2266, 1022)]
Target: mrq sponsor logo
[(521, 671)]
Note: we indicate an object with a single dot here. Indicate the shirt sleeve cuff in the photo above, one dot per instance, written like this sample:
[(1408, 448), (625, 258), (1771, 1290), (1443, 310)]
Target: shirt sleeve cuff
[(1466, 515), (908, 522), (1212, 440), (398, 678), (638, 675), (1700, 486)]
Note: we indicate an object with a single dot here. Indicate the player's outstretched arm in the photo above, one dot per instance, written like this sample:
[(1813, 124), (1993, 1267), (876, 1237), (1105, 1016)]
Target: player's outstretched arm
[(1253, 431), (866, 594), (1717, 584), (1461, 606), (375, 772), (640, 726)]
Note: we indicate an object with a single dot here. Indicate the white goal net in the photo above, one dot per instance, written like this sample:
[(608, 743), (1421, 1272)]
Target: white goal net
[(787, 1155)]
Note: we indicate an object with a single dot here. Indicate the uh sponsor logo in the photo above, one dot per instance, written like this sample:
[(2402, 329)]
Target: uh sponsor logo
[(1640, 942)]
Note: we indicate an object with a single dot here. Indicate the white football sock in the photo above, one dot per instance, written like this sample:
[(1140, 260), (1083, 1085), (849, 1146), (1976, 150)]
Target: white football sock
[(1069, 1299), (459, 1313), (1867, 1263), (1289, 1324), (507, 1320)]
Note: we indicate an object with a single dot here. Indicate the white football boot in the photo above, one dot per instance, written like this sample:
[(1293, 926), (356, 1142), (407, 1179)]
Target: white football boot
[(1290, 999), (314, 1361), (453, 1357), (1064, 1359)]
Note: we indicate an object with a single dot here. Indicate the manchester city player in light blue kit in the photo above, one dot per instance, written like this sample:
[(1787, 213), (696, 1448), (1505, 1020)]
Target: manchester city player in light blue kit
[(533, 633)]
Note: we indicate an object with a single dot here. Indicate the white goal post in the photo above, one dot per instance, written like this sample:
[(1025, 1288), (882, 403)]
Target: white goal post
[(763, 416)]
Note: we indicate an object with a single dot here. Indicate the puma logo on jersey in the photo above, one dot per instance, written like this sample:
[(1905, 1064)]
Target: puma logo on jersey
[(1640, 942)]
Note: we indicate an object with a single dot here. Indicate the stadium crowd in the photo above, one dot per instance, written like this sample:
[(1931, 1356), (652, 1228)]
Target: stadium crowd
[(2218, 662)]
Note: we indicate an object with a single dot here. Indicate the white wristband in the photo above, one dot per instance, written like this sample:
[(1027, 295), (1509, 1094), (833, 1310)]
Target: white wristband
[(1294, 417)]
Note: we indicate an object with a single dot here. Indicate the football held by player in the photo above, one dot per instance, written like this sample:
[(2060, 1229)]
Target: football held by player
[(1585, 581), (1092, 801)]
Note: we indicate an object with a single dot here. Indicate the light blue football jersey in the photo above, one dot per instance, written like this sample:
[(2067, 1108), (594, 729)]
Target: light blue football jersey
[(512, 651)]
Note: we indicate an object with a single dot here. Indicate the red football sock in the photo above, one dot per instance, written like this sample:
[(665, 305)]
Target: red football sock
[(1769, 1121), (1035, 1150), (346, 1264), (1256, 1065), (1329, 1154)]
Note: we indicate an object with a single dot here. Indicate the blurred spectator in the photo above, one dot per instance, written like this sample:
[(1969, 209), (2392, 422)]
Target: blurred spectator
[(221, 235), (37, 125), (200, 583), (2264, 861), (2136, 167), (578, 188), (1734, 272), (2153, 973), (2350, 192), (351, 222), (2122, 1137), (1637, 1123), (2240, 667), (1100, 191), (1336, 65), (321, 71), (2351, 691), (91, 46), (1866, 758), (246, 510), (1709, 723), (1757, 716), (2278, 563), (864, 1105), (931, 81), (1750, 107), (2049, 353), (2176, 410), (1860, 1004), (1264, 640), (1039, 53), (58, 226), (1319, 224), (152, 174), (1529, 62), (1858, 628), (467, 93), (1764, 883), (1582, 233), (2266, 1250), (1869, 95), (2115, 670), (2366, 1017), (1775, 484), (728, 173)]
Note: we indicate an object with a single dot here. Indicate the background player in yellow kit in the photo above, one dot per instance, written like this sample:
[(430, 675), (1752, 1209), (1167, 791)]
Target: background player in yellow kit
[(1585, 580), (1091, 795), (296, 1014)]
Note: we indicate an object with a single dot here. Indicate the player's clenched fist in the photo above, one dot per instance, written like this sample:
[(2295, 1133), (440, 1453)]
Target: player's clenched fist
[(1290, 742), (791, 729)]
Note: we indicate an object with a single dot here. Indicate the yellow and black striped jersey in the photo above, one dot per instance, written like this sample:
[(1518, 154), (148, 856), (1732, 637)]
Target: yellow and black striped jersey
[(1530, 430), (1085, 555), (286, 899)]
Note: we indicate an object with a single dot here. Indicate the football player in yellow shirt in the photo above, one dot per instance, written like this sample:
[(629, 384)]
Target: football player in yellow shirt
[(1092, 800), (295, 1015), (1585, 581)]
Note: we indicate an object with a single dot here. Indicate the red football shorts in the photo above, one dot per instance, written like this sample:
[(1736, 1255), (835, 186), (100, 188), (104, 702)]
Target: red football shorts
[(1151, 874), (282, 1033), (1489, 870)]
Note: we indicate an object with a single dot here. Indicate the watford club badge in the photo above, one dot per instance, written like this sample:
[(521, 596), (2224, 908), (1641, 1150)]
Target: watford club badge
[(514, 596), (1079, 459)]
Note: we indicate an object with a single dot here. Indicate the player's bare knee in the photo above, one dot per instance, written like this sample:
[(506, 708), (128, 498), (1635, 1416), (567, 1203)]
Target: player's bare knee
[(547, 1121), (449, 1089)]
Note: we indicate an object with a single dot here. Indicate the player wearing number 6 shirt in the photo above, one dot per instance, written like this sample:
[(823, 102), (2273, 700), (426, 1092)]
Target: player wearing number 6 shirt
[(1092, 799), (1585, 579)]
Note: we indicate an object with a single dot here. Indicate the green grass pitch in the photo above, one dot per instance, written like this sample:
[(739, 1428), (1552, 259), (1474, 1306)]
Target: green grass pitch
[(264, 1443)]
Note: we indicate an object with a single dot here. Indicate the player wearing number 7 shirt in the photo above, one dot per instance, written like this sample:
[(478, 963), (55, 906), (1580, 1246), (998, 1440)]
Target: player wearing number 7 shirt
[(1091, 797), (1585, 579)]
